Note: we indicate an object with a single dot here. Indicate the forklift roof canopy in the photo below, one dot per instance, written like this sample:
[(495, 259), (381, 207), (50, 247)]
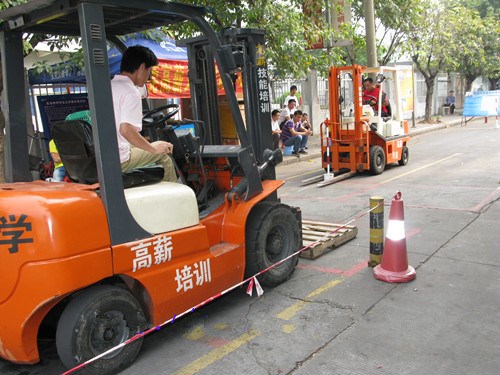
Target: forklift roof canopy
[(60, 17)]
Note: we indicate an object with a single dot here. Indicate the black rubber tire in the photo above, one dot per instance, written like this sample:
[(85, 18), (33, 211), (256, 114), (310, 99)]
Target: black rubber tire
[(377, 160), (98, 311), (405, 155), (272, 234)]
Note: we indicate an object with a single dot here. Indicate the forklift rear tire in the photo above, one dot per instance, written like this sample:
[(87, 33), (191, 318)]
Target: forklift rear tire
[(96, 320), (377, 160), (405, 154), (272, 234)]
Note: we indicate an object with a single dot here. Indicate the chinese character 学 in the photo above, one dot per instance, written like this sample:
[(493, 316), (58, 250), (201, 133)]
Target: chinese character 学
[(12, 230)]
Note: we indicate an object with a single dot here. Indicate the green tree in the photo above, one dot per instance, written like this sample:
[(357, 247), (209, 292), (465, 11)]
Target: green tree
[(430, 44), (288, 30), (394, 21), (484, 56), (468, 46)]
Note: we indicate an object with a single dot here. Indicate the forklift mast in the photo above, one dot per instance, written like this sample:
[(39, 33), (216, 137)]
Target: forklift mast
[(248, 52), (346, 111)]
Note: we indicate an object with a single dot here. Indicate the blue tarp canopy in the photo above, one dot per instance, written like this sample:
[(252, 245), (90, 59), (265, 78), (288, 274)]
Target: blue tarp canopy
[(165, 50)]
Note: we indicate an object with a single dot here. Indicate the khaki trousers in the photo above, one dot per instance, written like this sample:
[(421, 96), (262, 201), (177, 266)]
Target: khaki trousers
[(140, 158)]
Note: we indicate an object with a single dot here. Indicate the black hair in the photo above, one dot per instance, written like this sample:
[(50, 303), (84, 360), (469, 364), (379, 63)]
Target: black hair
[(297, 112), (292, 100), (275, 111), (135, 56), (293, 87), (368, 80), (305, 114)]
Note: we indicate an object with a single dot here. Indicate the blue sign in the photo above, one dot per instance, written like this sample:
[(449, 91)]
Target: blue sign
[(164, 49), (482, 103)]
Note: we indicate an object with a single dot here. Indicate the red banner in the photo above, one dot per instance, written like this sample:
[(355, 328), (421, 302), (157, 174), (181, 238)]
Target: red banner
[(170, 80)]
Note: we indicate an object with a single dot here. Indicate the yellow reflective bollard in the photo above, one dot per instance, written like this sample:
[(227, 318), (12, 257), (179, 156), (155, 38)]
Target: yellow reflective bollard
[(376, 230)]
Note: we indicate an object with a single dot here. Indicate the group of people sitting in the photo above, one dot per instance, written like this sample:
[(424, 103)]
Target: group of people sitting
[(291, 126)]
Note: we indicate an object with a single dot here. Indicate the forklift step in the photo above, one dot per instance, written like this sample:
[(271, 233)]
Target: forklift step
[(324, 237)]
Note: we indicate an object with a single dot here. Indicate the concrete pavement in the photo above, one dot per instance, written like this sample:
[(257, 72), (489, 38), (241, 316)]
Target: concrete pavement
[(314, 143), (446, 320)]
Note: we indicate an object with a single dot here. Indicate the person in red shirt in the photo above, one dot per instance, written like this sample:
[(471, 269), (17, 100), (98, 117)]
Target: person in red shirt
[(371, 96)]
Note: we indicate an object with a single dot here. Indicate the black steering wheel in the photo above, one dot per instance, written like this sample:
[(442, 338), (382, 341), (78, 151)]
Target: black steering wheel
[(369, 99), (167, 111)]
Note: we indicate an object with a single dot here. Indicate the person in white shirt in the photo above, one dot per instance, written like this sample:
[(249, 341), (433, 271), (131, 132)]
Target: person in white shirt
[(293, 92), (135, 151), (275, 128), (287, 112)]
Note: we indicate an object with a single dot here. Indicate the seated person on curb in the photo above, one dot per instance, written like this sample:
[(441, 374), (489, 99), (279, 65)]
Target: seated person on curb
[(59, 170), (135, 151), (306, 124), (371, 96), (293, 134), (275, 128), (450, 102), (286, 113)]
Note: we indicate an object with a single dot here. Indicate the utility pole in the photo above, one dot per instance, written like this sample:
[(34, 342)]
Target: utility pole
[(371, 48)]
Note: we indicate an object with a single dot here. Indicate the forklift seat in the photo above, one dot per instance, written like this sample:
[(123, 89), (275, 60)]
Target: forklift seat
[(75, 145)]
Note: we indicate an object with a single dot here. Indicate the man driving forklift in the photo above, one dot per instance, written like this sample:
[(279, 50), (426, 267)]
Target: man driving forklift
[(135, 151), (371, 95)]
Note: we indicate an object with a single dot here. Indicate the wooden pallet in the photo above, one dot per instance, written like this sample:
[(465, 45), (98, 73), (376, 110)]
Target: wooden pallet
[(324, 240)]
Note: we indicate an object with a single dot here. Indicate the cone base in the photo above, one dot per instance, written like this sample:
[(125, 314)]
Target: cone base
[(394, 277)]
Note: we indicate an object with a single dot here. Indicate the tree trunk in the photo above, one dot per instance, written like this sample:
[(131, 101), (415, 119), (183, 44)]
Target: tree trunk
[(429, 84), (468, 82), (493, 83)]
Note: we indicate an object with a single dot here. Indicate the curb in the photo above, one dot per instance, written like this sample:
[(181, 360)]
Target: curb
[(413, 133)]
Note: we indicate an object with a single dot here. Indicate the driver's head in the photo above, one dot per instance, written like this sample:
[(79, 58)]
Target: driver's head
[(137, 62), (368, 84)]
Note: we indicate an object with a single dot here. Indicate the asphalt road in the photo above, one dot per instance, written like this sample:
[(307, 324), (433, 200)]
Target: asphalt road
[(332, 316)]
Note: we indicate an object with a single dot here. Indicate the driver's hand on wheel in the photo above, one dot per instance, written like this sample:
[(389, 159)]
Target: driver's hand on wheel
[(162, 147)]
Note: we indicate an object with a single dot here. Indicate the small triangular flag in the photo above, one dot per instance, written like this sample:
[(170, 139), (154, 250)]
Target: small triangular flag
[(250, 287), (258, 288)]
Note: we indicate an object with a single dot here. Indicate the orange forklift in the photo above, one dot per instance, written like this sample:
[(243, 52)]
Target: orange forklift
[(364, 132), (111, 254)]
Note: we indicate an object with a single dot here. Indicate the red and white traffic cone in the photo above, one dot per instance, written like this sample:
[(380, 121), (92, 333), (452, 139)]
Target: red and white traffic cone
[(394, 267)]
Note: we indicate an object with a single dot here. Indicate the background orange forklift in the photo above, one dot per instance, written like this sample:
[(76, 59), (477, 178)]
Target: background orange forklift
[(112, 254), (356, 138)]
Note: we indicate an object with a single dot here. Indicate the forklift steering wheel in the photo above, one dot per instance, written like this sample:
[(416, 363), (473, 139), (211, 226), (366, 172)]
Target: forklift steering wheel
[(369, 99), (151, 121)]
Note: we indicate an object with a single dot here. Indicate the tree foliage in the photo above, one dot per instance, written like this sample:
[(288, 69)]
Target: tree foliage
[(288, 30), (429, 44), (478, 48)]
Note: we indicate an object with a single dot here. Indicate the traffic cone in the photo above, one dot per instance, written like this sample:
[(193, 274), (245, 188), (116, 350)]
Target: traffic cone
[(394, 267)]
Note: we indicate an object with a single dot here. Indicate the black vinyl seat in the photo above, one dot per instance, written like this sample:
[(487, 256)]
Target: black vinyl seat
[(75, 145)]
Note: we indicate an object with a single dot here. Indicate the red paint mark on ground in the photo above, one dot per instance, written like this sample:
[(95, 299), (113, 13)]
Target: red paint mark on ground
[(412, 232), (489, 198), (214, 342)]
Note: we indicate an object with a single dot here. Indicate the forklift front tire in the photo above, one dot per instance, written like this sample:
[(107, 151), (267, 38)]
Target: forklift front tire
[(272, 234), (95, 321), (405, 154), (377, 160)]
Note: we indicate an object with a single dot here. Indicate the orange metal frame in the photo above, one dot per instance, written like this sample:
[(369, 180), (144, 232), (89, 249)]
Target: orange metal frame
[(350, 143), (78, 253)]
